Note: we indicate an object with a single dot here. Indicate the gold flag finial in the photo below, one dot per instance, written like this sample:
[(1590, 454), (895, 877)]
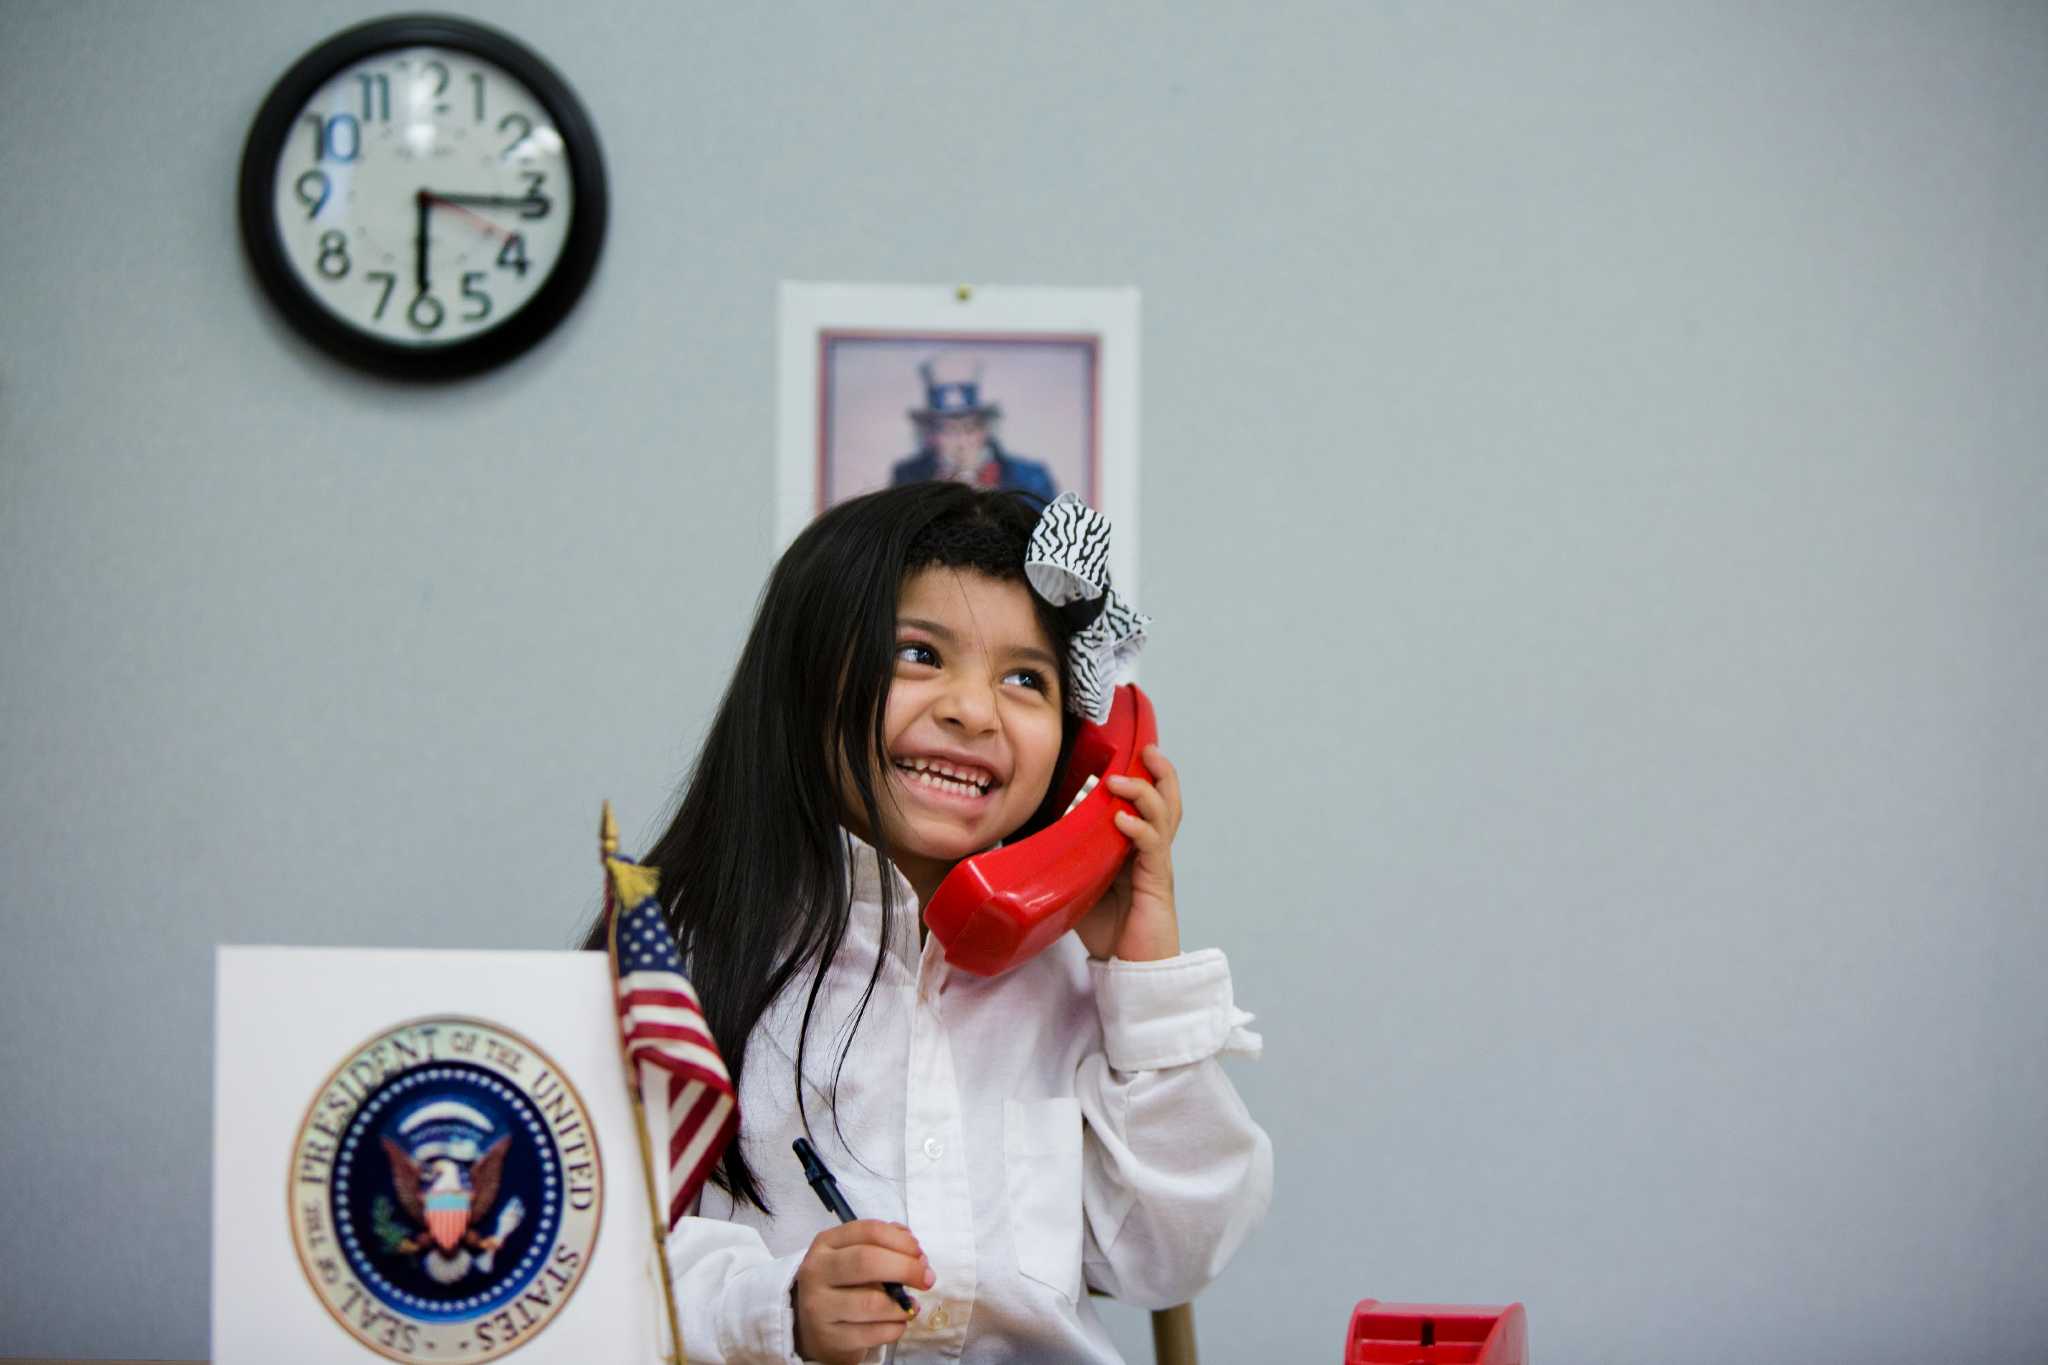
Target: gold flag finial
[(629, 881)]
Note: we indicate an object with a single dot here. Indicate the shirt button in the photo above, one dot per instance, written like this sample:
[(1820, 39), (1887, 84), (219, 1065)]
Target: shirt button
[(934, 1149), (939, 1317)]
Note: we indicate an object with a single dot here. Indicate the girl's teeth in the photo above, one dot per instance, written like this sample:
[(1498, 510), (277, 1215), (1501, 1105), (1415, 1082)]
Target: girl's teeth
[(945, 784)]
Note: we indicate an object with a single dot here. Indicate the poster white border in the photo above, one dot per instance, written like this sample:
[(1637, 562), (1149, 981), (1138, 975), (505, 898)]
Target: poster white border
[(1110, 315)]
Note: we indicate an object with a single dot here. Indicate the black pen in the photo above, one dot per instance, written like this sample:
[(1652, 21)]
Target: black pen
[(829, 1195)]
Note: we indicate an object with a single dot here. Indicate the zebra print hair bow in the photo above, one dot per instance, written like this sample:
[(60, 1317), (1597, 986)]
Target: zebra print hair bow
[(1067, 562)]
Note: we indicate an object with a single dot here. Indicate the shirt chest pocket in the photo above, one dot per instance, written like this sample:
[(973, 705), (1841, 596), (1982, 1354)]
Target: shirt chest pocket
[(1042, 1171)]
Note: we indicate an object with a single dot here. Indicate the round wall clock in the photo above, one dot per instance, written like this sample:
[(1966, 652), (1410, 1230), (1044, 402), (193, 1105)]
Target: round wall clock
[(423, 196)]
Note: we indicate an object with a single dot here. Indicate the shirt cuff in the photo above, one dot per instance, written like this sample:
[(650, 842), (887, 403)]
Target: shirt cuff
[(751, 1316), (762, 1323), (1171, 1012)]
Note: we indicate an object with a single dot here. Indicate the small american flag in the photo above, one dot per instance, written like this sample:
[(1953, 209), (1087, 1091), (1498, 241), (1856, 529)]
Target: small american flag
[(670, 1056)]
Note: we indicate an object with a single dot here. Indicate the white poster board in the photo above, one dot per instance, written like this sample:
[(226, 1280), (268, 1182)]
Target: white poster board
[(401, 1172)]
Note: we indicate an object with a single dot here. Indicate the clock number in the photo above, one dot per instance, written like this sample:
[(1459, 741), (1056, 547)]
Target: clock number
[(313, 188), (440, 86), (345, 123), (333, 261), (425, 313), (327, 137), (476, 80), (512, 255), (525, 129), (470, 280), (376, 96), (536, 205), (385, 297)]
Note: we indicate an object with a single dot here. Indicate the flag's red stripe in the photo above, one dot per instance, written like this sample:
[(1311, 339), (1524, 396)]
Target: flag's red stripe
[(648, 995), (648, 1050), (674, 1059), (637, 1010), (687, 1187), (688, 1071), (637, 1027), (634, 1000), (686, 1190), (643, 1028), (682, 1049), (687, 1126), (685, 1072)]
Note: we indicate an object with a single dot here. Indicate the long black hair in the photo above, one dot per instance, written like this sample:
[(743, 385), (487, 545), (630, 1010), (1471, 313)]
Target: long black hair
[(754, 876)]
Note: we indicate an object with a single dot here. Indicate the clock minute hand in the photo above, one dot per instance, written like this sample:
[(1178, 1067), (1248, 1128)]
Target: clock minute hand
[(425, 203)]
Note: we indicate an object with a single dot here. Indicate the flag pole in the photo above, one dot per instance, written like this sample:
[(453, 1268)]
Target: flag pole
[(608, 846)]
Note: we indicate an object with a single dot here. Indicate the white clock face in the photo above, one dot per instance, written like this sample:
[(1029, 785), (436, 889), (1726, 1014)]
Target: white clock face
[(423, 196)]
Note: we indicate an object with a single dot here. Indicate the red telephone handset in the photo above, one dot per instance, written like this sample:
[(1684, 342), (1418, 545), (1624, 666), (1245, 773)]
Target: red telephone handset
[(997, 909)]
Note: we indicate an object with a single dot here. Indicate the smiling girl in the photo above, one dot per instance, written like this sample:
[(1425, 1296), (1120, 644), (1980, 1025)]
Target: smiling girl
[(904, 701)]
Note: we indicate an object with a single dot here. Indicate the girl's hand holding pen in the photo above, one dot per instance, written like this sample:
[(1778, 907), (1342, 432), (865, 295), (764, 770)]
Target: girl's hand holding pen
[(1135, 919), (841, 1307)]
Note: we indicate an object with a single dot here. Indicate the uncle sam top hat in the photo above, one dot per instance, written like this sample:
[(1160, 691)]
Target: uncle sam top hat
[(952, 388)]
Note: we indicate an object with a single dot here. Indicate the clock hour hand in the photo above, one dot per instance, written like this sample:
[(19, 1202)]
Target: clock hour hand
[(425, 203)]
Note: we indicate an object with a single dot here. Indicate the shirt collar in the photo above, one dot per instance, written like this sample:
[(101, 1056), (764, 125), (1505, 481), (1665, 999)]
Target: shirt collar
[(865, 871)]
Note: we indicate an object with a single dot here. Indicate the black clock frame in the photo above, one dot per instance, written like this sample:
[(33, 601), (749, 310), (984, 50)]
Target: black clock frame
[(278, 115)]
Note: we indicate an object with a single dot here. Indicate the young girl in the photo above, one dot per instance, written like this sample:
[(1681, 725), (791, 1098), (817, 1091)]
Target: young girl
[(904, 700)]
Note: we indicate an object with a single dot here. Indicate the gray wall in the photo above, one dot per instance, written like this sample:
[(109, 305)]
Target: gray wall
[(1594, 509)]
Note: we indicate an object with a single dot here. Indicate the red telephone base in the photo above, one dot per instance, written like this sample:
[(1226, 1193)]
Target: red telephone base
[(1436, 1334)]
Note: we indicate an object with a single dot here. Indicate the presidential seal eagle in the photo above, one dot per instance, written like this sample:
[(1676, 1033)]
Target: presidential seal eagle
[(451, 1203)]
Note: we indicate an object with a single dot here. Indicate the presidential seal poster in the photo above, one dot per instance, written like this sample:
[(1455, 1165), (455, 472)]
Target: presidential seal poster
[(425, 1156), (1032, 389), (445, 1190)]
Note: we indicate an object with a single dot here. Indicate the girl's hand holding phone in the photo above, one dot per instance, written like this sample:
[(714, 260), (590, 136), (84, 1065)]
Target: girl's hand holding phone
[(841, 1309), (1135, 919)]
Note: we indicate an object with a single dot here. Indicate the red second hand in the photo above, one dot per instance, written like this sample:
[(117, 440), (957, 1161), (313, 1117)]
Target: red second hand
[(486, 224)]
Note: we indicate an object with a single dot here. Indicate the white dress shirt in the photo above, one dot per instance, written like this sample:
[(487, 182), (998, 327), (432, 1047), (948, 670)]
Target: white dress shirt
[(1062, 1127)]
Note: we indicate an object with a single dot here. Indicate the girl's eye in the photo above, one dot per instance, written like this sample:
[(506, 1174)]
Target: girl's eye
[(917, 652), (1027, 677)]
